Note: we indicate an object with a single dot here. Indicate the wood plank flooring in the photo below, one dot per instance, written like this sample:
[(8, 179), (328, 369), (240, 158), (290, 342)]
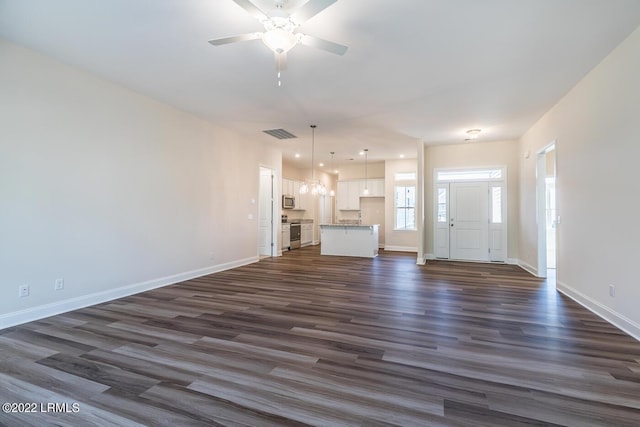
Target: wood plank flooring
[(304, 339)]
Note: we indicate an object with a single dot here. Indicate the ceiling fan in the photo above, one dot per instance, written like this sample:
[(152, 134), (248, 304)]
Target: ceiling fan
[(279, 29)]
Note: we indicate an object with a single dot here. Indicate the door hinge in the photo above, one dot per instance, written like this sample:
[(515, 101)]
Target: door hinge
[(489, 250)]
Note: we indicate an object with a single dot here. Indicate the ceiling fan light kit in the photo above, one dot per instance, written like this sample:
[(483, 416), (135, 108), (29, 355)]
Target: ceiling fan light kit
[(279, 26), (473, 134)]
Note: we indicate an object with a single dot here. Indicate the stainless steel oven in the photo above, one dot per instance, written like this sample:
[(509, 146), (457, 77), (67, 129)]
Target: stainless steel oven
[(295, 235)]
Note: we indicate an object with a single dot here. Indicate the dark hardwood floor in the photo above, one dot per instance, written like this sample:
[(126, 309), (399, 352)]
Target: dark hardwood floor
[(305, 339)]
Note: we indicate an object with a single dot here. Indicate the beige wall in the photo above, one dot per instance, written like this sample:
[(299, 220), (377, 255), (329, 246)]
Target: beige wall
[(474, 154), (356, 171), (597, 150), (111, 190)]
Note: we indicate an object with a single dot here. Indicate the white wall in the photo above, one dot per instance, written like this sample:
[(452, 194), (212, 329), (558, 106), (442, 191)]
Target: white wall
[(110, 189), (596, 128), (474, 154)]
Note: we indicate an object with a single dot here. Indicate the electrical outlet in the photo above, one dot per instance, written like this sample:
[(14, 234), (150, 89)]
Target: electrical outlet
[(59, 284), (612, 290), (23, 291)]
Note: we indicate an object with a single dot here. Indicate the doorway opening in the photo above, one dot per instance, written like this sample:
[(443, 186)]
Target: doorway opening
[(266, 212), (470, 218), (547, 211)]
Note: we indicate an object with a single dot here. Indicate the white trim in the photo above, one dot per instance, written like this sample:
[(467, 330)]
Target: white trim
[(400, 248), (625, 324), (527, 267), (46, 310), (513, 261)]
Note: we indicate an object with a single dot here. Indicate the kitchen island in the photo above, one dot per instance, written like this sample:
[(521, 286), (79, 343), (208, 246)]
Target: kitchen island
[(349, 240)]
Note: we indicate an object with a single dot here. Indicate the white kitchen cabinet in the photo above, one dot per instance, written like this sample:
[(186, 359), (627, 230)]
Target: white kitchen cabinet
[(306, 234), (375, 186), (302, 200), (287, 187), (325, 213), (348, 198), (286, 236)]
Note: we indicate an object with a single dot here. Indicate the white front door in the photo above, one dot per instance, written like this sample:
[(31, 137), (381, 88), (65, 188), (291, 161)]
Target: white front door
[(469, 221)]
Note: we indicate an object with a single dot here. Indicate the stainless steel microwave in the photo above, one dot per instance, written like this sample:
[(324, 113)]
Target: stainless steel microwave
[(288, 202)]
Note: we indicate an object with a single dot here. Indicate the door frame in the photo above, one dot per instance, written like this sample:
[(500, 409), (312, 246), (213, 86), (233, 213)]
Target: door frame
[(541, 206), (273, 211), (505, 211)]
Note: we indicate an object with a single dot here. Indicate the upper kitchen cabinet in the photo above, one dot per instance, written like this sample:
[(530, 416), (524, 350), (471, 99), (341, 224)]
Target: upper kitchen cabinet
[(291, 187), (348, 197), (287, 187), (375, 186), (349, 192)]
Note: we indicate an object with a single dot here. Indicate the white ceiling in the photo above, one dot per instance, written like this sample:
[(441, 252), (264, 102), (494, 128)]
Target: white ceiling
[(415, 69)]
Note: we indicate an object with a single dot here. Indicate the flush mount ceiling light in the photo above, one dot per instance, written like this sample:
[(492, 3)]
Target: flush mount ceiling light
[(279, 29), (473, 134)]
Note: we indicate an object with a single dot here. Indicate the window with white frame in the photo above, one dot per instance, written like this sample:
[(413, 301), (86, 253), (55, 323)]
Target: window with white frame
[(404, 201)]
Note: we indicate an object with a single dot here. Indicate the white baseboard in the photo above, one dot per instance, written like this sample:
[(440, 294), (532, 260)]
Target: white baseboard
[(429, 256), (400, 248), (35, 313), (527, 267), (512, 261), (627, 325)]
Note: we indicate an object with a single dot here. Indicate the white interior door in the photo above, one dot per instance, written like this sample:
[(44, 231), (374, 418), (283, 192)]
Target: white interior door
[(469, 221), (265, 212)]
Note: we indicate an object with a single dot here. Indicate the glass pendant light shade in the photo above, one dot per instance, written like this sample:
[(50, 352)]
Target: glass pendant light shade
[(366, 181)]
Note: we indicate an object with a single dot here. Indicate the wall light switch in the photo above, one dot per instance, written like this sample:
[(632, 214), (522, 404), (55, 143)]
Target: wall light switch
[(59, 284), (250, 216)]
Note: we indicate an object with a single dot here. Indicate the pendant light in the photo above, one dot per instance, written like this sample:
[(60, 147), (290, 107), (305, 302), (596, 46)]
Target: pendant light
[(332, 192), (366, 182), (315, 187)]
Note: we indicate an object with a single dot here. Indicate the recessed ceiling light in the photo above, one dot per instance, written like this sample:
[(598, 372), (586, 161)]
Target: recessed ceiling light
[(321, 164), (402, 156), (297, 155), (361, 153), (335, 171)]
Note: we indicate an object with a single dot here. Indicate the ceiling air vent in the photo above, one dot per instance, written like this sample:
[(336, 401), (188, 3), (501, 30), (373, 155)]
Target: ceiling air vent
[(280, 133)]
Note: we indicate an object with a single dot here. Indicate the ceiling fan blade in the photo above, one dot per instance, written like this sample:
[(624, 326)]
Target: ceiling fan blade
[(235, 39), (310, 9), (323, 44), (281, 61), (252, 9)]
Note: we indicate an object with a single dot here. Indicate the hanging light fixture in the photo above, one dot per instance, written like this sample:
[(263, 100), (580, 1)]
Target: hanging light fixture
[(313, 186), (332, 192), (366, 182)]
